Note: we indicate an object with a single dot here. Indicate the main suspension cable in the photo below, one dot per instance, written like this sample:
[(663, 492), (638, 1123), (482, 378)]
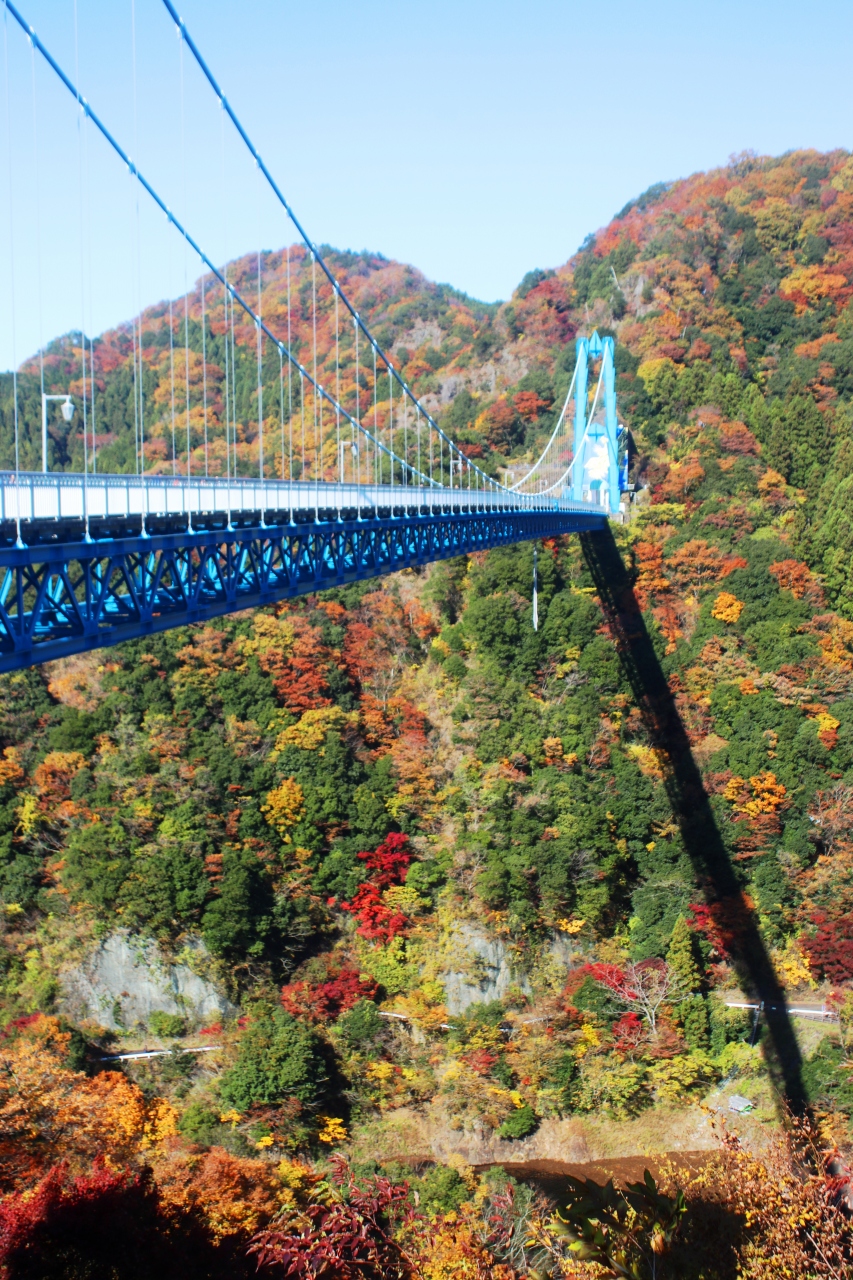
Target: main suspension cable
[(319, 394), (38, 231), (20, 540), (204, 376), (312, 248), (560, 421)]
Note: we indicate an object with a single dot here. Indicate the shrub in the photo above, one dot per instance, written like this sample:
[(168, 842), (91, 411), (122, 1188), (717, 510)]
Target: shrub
[(324, 1001), (441, 1190), (605, 1084), (199, 1124), (359, 1024), (167, 1025), (104, 1223), (455, 667), (693, 1015), (830, 950), (348, 1235), (519, 1123), (827, 1080), (278, 1058)]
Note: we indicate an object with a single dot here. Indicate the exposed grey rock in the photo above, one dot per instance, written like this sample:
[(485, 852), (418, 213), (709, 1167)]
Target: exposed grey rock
[(478, 968), (450, 387), (125, 979), (487, 973), (564, 950)]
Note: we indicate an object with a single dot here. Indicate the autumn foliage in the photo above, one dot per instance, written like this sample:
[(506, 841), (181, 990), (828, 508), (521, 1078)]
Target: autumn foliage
[(325, 1001), (387, 865), (332, 805), (106, 1222), (830, 947), (351, 1238), (50, 1114)]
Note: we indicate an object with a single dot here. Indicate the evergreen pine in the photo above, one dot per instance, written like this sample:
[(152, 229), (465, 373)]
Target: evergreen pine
[(806, 431), (682, 956), (695, 1023)]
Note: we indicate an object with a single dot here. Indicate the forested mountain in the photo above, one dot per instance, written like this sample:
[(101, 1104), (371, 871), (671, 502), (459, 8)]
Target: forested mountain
[(341, 810)]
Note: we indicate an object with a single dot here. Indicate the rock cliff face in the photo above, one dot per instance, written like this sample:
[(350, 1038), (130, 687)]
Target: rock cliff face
[(125, 979), (486, 971), (485, 974)]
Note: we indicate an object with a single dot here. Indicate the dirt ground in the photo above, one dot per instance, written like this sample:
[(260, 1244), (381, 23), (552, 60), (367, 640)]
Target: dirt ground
[(550, 1175)]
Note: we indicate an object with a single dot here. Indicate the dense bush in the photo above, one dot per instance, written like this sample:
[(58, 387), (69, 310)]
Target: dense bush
[(279, 1058)]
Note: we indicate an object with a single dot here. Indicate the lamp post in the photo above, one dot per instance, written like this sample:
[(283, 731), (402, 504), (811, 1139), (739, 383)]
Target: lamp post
[(344, 445), (67, 412)]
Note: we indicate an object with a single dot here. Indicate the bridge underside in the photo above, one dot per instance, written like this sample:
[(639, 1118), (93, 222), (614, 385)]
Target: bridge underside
[(57, 599)]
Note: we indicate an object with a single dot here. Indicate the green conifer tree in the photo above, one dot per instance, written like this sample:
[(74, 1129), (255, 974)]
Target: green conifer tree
[(778, 452), (693, 1015), (682, 956), (806, 434)]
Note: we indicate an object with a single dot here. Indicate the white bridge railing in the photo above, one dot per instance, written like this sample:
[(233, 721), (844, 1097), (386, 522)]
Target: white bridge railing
[(31, 496)]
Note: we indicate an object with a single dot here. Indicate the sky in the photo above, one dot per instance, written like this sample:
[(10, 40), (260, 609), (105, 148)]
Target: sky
[(476, 139)]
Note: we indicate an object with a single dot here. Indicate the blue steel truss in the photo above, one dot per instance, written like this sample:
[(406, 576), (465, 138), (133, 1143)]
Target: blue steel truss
[(57, 600)]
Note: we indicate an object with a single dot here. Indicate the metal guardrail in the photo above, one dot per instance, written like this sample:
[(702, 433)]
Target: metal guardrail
[(823, 1014), (158, 1053), (30, 496)]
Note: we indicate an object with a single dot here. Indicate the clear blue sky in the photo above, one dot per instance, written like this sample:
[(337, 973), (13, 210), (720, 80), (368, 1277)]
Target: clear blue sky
[(474, 138)]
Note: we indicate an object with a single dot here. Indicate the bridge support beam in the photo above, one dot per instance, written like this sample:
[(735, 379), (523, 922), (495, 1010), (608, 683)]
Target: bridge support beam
[(611, 425), (581, 394), (58, 600), (596, 444)]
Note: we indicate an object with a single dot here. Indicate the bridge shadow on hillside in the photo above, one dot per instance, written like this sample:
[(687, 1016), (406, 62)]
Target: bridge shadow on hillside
[(692, 810)]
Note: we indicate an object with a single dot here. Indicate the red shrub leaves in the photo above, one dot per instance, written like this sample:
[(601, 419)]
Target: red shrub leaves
[(345, 1239), (480, 1061), (325, 1001), (607, 975), (19, 1024), (724, 923), (544, 314), (679, 482), (501, 421), (388, 863), (651, 580), (628, 1031), (699, 563), (107, 1222), (530, 404), (796, 577), (736, 437), (375, 921), (643, 988), (830, 950), (299, 671)]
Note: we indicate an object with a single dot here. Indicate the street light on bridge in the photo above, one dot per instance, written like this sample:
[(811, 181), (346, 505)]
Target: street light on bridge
[(67, 411), (344, 445)]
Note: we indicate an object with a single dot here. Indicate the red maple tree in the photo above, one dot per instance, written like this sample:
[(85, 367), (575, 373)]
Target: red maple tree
[(388, 863), (325, 1001)]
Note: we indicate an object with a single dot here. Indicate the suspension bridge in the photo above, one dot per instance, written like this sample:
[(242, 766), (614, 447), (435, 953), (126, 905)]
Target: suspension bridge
[(348, 475)]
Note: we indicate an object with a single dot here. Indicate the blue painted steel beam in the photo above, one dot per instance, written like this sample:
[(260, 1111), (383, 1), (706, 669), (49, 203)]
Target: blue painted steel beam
[(611, 424), (56, 600), (581, 406)]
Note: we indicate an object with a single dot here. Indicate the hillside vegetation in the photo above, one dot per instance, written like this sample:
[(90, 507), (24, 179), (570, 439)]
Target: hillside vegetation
[(647, 803)]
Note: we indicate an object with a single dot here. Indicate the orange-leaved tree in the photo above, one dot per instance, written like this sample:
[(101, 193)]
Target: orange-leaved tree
[(50, 1113)]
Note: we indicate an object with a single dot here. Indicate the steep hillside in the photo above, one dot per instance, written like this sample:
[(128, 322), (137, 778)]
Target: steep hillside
[(474, 887)]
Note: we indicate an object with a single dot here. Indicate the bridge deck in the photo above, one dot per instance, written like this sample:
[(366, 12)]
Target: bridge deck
[(164, 552), (36, 496)]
